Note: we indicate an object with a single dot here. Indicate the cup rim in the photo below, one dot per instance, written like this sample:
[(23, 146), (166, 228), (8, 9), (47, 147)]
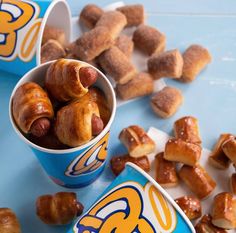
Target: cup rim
[(70, 150), (163, 192), (44, 22)]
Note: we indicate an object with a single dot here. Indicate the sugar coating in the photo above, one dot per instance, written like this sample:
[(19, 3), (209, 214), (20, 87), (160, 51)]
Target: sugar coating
[(133, 13), (195, 58), (52, 50), (117, 65), (93, 43), (114, 21), (125, 44), (167, 64), (90, 14), (149, 40), (166, 102), (142, 84)]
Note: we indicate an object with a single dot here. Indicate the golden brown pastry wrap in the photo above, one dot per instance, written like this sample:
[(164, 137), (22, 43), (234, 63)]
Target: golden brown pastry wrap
[(30, 103), (73, 125), (63, 80), (8, 221), (58, 209)]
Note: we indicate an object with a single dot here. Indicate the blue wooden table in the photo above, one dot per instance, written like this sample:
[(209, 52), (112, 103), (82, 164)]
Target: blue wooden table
[(211, 98)]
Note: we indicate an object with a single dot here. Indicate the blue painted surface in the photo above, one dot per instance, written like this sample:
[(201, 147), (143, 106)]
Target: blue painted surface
[(211, 98)]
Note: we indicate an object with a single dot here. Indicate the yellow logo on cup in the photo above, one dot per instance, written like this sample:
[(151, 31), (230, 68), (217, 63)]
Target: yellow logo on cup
[(19, 28), (129, 207), (90, 160)]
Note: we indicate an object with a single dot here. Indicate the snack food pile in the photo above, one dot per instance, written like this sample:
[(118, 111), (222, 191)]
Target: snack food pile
[(179, 162), (68, 100), (68, 110), (105, 46)]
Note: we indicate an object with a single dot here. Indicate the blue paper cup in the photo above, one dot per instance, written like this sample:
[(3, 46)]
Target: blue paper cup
[(133, 203), (22, 23), (79, 166)]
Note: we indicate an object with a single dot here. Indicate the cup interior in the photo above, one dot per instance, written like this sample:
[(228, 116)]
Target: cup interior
[(58, 15), (37, 75)]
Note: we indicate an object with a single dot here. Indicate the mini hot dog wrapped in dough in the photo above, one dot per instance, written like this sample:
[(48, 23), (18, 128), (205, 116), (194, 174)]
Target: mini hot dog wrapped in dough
[(142, 84), (233, 183), (186, 128), (53, 33), (217, 157), (83, 117), (224, 211), (118, 163), (149, 40), (93, 43), (114, 62), (136, 141), (198, 180), (32, 109), (58, 209), (125, 44), (180, 151), (52, 50), (205, 226), (114, 21), (167, 64), (96, 95), (67, 80), (90, 14), (191, 206), (166, 102), (166, 174), (133, 13), (8, 221), (195, 59), (229, 148)]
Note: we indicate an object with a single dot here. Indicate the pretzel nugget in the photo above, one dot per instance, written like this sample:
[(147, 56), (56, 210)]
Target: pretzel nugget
[(233, 183), (93, 43), (118, 163), (136, 141), (166, 174), (149, 40), (167, 64), (90, 14), (180, 151), (125, 44), (217, 157), (186, 128), (195, 59), (114, 21), (133, 13), (224, 212), (52, 33), (166, 102), (117, 65), (52, 50), (191, 206), (205, 226), (198, 180), (142, 84), (229, 148)]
